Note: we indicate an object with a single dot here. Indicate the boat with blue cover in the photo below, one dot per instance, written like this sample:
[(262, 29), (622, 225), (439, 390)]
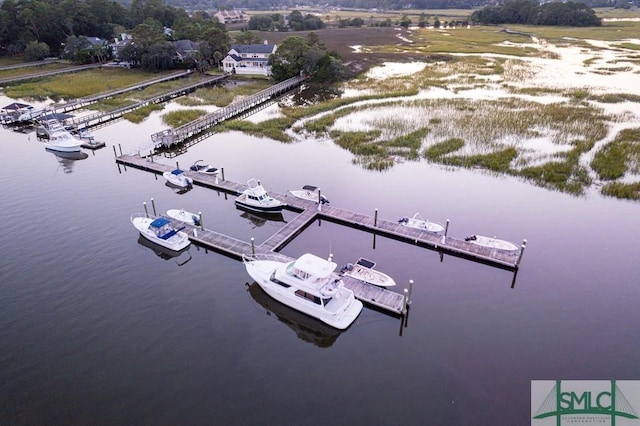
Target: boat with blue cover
[(161, 231), (178, 178)]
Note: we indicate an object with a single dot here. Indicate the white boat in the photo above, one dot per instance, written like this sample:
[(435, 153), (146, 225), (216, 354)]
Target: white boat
[(418, 222), (60, 139), (86, 135), (178, 178), (161, 232), (184, 216), (255, 198), (30, 113), (363, 271), (307, 284), (203, 168), (310, 193), (492, 243)]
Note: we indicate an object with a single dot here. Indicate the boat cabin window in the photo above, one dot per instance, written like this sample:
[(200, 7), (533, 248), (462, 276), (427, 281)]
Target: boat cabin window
[(310, 297), (277, 281)]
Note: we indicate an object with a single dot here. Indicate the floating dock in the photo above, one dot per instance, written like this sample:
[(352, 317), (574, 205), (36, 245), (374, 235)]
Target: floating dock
[(308, 212)]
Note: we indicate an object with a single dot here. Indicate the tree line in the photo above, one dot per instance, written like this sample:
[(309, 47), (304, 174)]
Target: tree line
[(41, 28), (530, 12)]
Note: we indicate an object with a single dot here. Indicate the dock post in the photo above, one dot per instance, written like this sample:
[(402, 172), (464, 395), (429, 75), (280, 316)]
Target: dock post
[(253, 247), (524, 245), (319, 200), (115, 153), (404, 302), (146, 213), (120, 147), (200, 219), (410, 289), (153, 205), (222, 169), (446, 228), (375, 217), (177, 166)]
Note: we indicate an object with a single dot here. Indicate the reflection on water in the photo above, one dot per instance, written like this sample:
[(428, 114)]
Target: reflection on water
[(306, 328), (258, 219), (181, 257), (177, 189), (67, 159)]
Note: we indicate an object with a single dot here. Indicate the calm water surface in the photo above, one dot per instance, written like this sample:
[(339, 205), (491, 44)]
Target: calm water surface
[(96, 328)]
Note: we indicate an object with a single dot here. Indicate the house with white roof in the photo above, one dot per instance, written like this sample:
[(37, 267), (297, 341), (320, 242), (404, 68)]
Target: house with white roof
[(249, 59)]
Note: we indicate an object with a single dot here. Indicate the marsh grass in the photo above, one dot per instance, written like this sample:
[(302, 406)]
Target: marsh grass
[(436, 151), (85, 83), (138, 115), (179, 118), (18, 72), (612, 98), (619, 156), (629, 191)]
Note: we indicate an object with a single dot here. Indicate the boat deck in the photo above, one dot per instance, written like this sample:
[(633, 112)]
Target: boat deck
[(308, 212)]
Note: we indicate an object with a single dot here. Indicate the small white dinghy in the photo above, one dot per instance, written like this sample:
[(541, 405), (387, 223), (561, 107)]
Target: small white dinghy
[(418, 222), (178, 178), (310, 193), (184, 216), (200, 167), (492, 243), (363, 271)]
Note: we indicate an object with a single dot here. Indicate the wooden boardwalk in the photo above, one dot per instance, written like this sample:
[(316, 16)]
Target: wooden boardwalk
[(308, 212), (179, 135)]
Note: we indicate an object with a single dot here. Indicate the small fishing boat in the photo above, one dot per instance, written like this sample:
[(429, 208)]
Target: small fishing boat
[(492, 242), (310, 193), (178, 178), (203, 168), (363, 271), (161, 232), (255, 198), (418, 222), (307, 284), (184, 216)]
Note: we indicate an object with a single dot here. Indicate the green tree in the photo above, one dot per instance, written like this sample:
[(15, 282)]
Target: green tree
[(290, 58), (36, 51)]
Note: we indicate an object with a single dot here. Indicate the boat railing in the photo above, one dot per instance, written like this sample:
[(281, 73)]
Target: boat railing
[(276, 257)]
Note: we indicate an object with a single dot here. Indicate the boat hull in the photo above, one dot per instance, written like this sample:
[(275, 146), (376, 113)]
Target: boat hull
[(370, 276), (62, 148), (180, 181), (271, 209), (493, 243), (261, 271)]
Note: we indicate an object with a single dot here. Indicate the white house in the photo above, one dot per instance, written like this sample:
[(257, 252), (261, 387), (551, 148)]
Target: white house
[(231, 16), (249, 59)]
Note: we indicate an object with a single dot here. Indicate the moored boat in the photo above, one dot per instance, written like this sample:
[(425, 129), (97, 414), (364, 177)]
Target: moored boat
[(60, 139), (363, 271), (178, 178), (184, 216), (492, 242), (161, 232), (418, 222), (200, 167), (256, 198), (308, 284), (310, 193)]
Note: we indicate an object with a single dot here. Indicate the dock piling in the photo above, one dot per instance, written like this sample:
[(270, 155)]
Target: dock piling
[(222, 169), (253, 246), (375, 218), (146, 212), (115, 153), (410, 290), (153, 206), (200, 219), (120, 147), (177, 165), (405, 302), (446, 228), (524, 245)]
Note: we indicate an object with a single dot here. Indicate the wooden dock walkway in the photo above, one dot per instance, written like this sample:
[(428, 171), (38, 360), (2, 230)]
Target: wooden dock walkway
[(179, 135), (308, 212), (103, 117)]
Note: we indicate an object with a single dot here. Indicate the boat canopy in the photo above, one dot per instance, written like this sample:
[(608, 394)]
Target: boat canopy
[(160, 222), (15, 106), (369, 264), (314, 266), (311, 188), (177, 172)]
